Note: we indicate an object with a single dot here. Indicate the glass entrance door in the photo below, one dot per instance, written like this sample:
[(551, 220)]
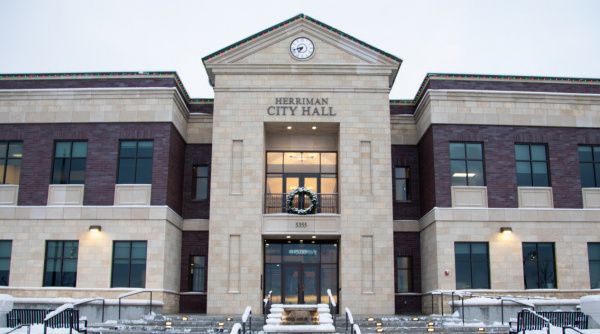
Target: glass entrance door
[(301, 282), (300, 273)]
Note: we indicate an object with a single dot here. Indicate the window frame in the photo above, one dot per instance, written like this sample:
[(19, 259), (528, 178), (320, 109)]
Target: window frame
[(466, 161), (471, 262), (595, 162), (537, 260), (204, 273), (596, 264), (531, 161), (129, 264), (62, 258), (409, 270), (9, 261), (195, 178), (136, 158), (6, 159), (69, 160), (406, 179)]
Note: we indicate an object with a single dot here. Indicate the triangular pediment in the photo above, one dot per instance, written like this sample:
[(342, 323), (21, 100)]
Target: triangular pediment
[(270, 51)]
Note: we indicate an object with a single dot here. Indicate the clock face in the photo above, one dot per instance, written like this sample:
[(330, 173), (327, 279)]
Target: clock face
[(302, 48)]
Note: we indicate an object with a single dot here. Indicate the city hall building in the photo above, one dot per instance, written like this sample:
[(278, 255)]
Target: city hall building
[(301, 175)]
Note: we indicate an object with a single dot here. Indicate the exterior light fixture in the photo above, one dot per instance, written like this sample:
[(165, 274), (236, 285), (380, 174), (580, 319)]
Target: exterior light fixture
[(506, 230), (430, 324), (430, 329), (228, 319), (184, 319), (415, 319), (379, 330), (314, 127), (379, 325), (221, 325), (95, 228), (288, 236), (168, 324), (370, 319), (314, 236), (289, 127), (481, 329)]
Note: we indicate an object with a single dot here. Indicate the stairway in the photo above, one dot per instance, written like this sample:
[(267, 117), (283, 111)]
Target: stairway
[(220, 324)]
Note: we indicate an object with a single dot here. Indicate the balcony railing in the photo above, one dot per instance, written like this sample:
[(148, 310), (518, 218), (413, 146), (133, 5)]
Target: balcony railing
[(276, 203)]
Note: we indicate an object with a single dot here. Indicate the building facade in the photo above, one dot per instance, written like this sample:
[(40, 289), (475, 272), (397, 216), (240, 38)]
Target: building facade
[(300, 176)]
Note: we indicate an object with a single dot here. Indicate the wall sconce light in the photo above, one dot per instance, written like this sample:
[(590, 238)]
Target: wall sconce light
[(506, 230), (95, 228)]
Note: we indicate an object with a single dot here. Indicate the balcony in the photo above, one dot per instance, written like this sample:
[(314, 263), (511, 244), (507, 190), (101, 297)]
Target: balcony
[(276, 203)]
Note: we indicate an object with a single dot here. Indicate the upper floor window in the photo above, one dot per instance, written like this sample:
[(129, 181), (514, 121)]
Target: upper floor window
[(589, 165), (201, 186), (466, 164), (10, 162), (532, 165), (61, 263), (5, 254), (69, 162), (135, 162), (539, 267), (129, 264), (472, 265), (401, 184)]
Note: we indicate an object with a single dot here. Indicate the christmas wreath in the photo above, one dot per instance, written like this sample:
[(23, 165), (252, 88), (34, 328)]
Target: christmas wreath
[(301, 191)]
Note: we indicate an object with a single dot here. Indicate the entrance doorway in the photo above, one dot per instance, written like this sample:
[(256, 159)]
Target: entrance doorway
[(299, 272)]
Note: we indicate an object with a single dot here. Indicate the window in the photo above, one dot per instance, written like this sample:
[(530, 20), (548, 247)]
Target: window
[(589, 165), (466, 164), (401, 178), (10, 162), (5, 253), (472, 265), (200, 186), (539, 266), (532, 165), (135, 162), (69, 162), (594, 258), (129, 264), (61, 263), (404, 282), (198, 273)]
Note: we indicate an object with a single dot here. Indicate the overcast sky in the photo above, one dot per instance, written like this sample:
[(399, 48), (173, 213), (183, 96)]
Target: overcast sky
[(519, 37)]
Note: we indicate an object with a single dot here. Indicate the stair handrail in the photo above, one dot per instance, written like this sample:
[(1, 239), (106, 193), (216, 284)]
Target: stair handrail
[(267, 306), (349, 321), (245, 317), (19, 327), (236, 328), (564, 328), (91, 300), (59, 311), (502, 299), (134, 292), (544, 320), (332, 306), (356, 329)]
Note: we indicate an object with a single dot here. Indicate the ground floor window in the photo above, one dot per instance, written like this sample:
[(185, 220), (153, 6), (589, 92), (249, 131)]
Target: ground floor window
[(61, 263), (472, 265), (594, 258), (539, 267), (198, 273), (129, 264), (5, 253), (301, 273), (404, 282)]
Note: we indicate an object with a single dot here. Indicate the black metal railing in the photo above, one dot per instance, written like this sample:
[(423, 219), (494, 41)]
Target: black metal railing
[(91, 300), (277, 203), (531, 320), (18, 317), (267, 306), (68, 318)]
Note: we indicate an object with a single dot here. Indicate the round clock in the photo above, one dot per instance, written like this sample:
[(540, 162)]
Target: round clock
[(302, 48)]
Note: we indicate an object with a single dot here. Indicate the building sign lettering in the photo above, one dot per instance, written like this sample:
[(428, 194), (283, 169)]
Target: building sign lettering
[(302, 106)]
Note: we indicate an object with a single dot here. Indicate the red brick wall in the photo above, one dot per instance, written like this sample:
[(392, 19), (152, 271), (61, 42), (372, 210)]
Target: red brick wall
[(195, 154), (175, 176), (500, 168), (193, 243), (409, 244), (102, 160), (407, 156)]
